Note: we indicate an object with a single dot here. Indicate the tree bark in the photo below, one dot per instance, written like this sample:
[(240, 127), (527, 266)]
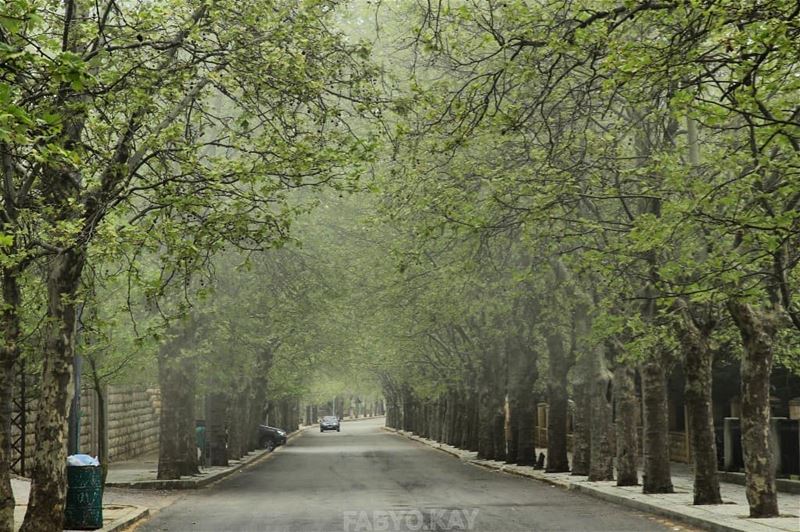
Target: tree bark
[(582, 429), (499, 432), (656, 477), (187, 451), (525, 412), (557, 369), (601, 455), (697, 391), (102, 419), (168, 435), (177, 379), (48, 476), (513, 428), (9, 355), (486, 416), (215, 429), (627, 430), (235, 443), (758, 333)]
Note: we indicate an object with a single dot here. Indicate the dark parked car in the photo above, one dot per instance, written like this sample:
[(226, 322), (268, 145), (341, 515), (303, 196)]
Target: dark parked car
[(270, 437), (329, 423)]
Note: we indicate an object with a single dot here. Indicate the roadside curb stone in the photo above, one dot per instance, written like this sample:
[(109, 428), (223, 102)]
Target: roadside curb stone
[(726, 518), (133, 515)]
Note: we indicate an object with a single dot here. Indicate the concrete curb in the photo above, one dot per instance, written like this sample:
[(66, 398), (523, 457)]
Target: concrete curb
[(197, 483), (357, 419), (691, 520), (134, 515)]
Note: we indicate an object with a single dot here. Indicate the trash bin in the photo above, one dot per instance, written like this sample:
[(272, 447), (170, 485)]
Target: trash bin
[(84, 508)]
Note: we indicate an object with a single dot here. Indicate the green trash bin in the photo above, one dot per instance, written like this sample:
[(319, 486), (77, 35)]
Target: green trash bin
[(84, 508)]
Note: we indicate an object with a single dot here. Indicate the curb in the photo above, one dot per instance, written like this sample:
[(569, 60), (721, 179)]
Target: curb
[(430, 443), (137, 513), (357, 419), (576, 487), (190, 484)]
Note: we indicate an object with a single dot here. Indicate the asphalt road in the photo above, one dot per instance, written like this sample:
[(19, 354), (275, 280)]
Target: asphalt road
[(363, 479)]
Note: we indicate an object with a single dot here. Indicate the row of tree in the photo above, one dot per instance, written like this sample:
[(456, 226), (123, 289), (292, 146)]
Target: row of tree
[(138, 143), (585, 192)]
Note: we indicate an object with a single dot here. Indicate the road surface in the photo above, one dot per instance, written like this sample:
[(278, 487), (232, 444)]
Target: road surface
[(365, 479)]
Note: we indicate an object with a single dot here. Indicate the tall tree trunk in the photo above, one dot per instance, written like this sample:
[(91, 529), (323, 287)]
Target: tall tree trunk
[(582, 387), (473, 422), (526, 407), (557, 369), (235, 443), (9, 355), (215, 429), (499, 432), (102, 418), (486, 415), (627, 430), (526, 416), (602, 457), (177, 374), (513, 428), (582, 428), (48, 476), (697, 391), (169, 419), (259, 382), (655, 444), (188, 462), (102, 430), (758, 333)]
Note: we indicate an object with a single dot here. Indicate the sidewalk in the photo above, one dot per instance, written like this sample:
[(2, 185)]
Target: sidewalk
[(115, 516), (119, 504), (730, 516), (141, 473)]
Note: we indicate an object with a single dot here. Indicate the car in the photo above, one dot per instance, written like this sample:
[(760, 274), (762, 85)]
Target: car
[(329, 423), (270, 437)]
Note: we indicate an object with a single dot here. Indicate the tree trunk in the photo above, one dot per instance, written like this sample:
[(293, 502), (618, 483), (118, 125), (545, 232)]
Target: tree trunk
[(656, 477), (169, 434), (513, 429), (582, 429), (697, 366), (9, 355), (486, 415), (48, 475), (557, 369), (499, 432), (526, 416), (235, 443), (102, 431), (188, 462), (626, 426), (215, 429), (525, 412), (102, 419), (177, 375), (758, 334), (601, 455)]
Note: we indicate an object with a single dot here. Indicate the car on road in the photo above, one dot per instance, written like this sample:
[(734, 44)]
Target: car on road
[(270, 437), (329, 423)]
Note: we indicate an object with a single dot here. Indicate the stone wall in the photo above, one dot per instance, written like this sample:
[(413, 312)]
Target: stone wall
[(132, 418)]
